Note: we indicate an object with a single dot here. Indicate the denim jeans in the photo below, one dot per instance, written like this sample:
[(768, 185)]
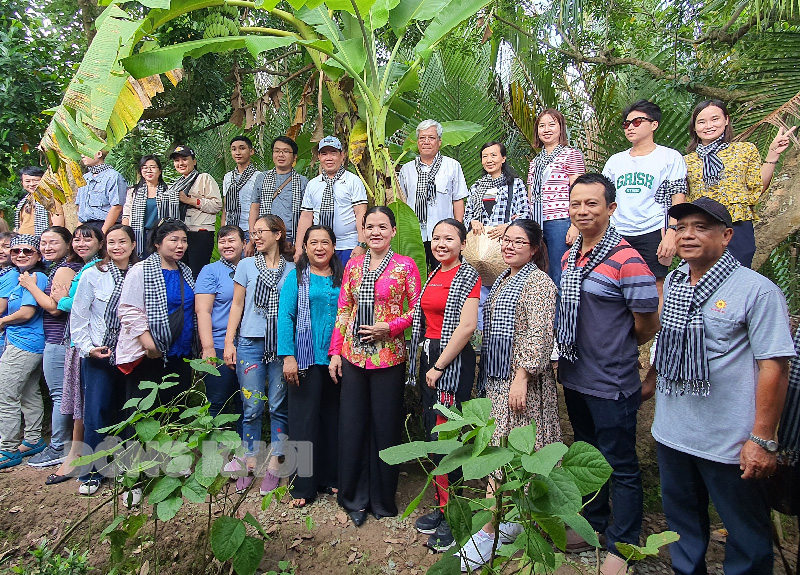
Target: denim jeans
[(53, 365), (687, 482), (554, 233), (253, 376), (610, 426), (223, 392), (103, 394)]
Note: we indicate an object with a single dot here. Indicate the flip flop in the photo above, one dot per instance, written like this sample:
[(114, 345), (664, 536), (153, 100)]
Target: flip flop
[(10, 458), (33, 449), (54, 478)]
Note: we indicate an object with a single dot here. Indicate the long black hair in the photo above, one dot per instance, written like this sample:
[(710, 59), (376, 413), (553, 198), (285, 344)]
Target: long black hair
[(534, 232), (507, 170), (91, 231), (102, 265), (694, 141), (276, 224), (337, 268), (381, 210), (142, 161)]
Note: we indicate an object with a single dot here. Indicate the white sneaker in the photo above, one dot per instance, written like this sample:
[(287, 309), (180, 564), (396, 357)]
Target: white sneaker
[(132, 497), (89, 487), (477, 552)]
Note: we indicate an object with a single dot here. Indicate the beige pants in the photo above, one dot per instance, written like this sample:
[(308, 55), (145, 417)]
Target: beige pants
[(20, 372)]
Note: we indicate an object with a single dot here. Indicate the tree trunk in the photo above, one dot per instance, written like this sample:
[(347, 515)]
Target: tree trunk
[(780, 215)]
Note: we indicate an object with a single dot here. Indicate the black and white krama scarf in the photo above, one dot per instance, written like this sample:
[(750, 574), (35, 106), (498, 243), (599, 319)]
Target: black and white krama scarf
[(155, 301), (499, 314), (712, 165), (94, 170), (266, 186), (326, 206), (266, 300), (426, 187), (183, 185), (168, 207), (365, 311), (680, 358), (41, 219), (233, 204), (789, 427), (540, 164), (110, 315), (462, 285), (571, 281), (476, 210)]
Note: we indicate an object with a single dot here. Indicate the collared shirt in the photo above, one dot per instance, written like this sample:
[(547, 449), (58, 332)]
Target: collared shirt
[(450, 187), (101, 192), (348, 191), (87, 321), (246, 195)]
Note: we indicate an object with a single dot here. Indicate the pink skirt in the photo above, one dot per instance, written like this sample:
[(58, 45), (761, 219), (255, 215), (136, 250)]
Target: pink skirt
[(72, 393)]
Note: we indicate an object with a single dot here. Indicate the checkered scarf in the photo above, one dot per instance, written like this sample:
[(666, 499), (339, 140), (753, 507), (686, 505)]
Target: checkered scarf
[(365, 313), (789, 428), (712, 165), (168, 206), (183, 184), (266, 188), (233, 204), (680, 358), (426, 187), (99, 168), (25, 240), (41, 219), (664, 193), (110, 315), (155, 300), (462, 285), (51, 271), (571, 280), (326, 213), (266, 301), (228, 264), (303, 341), (540, 164), (499, 314), (5, 269)]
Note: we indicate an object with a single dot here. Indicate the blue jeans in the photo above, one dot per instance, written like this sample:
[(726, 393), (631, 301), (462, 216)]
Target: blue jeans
[(253, 375), (554, 233), (686, 483), (344, 256), (53, 367), (103, 395), (610, 426), (223, 392), (743, 243)]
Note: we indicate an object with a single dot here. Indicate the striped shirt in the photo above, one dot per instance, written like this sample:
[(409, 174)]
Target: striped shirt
[(607, 362), (555, 187), (55, 325)]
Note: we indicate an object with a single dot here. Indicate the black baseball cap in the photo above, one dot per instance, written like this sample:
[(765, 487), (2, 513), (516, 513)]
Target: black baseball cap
[(702, 205), (181, 150)]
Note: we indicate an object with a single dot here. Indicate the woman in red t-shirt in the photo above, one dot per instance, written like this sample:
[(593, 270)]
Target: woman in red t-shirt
[(444, 320)]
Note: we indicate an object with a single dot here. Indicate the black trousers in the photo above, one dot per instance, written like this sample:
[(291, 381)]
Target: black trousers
[(429, 259), (199, 250), (430, 397), (314, 418), (155, 370), (370, 419)]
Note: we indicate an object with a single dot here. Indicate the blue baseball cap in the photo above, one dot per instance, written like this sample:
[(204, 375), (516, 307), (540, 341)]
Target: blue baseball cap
[(330, 142)]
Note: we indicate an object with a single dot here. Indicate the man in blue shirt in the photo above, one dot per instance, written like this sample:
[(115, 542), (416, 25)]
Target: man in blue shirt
[(100, 201)]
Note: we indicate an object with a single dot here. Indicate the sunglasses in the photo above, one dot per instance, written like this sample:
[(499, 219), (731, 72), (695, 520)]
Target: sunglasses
[(23, 251), (636, 122)]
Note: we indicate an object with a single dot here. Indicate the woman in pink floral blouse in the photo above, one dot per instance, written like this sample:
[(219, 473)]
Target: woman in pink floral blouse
[(368, 356)]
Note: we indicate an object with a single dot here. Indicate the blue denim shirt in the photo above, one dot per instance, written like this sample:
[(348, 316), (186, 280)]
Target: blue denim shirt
[(101, 192)]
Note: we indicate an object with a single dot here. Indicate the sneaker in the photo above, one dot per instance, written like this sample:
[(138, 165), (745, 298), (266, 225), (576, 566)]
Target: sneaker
[(269, 483), (428, 523), (132, 497), (477, 551), (442, 539), (49, 457), (89, 487)]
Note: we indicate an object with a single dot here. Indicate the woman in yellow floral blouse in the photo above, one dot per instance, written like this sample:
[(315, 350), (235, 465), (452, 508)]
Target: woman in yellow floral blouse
[(368, 355), (729, 172)]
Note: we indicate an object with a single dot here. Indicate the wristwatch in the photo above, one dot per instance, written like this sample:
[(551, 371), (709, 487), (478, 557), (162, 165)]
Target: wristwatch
[(362, 245), (769, 445)]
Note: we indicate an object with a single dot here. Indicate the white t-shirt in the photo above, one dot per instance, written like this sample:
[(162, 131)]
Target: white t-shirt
[(637, 178), (348, 191), (450, 186)]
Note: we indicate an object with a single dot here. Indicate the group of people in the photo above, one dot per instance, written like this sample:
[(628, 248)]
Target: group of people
[(308, 305)]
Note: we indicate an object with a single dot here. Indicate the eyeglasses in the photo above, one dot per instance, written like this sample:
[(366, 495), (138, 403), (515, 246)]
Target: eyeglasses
[(428, 138), (515, 243), (282, 152), (636, 122), (259, 233), (23, 251)]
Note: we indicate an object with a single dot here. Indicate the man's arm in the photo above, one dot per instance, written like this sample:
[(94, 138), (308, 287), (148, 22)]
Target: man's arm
[(112, 217), (360, 210), (645, 326), (303, 223), (458, 210)]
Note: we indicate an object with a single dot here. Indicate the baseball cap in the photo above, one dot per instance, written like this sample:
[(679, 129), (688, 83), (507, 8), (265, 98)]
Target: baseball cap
[(182, 150), (330, 142), (702, 205)]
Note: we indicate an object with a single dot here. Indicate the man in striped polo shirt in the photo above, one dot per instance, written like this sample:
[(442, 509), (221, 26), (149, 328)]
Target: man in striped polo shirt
[(609, 305)]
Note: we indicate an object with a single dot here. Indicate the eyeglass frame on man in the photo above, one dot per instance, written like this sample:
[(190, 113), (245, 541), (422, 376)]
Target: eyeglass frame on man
[(636, 122)]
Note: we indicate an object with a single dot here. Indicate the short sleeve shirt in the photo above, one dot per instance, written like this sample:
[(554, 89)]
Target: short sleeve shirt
[(282, 203), (744, 320), (101, 192), (348, 191), (253, 323), (434, 299), (27, 336), (215, 279), (608, 357)]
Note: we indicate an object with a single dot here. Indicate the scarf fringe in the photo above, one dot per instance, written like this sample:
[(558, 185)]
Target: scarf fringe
[(696, 387)]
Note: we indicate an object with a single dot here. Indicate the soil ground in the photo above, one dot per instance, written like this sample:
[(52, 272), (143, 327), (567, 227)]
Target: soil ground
[(326, 543)]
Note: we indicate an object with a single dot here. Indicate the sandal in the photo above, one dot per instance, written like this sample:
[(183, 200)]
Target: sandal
[(37, 447), (55, 478), (327, 490), (10, 458)]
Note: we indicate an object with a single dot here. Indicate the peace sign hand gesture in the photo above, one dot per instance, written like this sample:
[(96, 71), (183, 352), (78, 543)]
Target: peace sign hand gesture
[(781, 141)]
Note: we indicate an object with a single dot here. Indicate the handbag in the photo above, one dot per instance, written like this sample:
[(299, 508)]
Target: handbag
[(176, 317)]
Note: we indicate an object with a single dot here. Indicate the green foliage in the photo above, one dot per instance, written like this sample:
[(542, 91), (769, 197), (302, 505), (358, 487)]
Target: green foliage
[(781, 267), (47, 562)]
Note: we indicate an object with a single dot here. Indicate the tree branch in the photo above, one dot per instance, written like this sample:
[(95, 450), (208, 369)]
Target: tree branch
[(263, 69), (156, 113)]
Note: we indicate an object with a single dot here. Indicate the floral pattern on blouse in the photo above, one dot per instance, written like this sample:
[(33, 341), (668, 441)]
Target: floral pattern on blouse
[(740, 186), (400, 281)]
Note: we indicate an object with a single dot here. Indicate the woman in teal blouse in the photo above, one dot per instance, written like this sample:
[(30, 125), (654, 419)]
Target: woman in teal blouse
[(306, 316)]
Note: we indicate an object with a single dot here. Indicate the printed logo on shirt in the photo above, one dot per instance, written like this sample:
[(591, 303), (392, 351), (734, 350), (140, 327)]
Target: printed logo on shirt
[(635, 179), (720, 305)]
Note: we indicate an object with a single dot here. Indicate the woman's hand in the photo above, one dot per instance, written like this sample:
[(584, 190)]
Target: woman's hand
[(517, 394), (209, 352), (335, 368), (229, 355), (153, 353), (477, 227), (27, 280), (432, 377), (183, 198), (101, 352), (572, 235), (373, 333), (781, 141), (58, 291), (497, 232), (290, 372)]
